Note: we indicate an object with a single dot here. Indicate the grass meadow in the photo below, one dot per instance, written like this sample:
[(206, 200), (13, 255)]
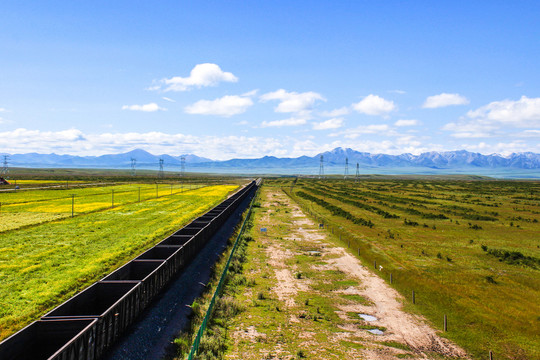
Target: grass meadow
[(22, 208), (468, 249), (42, 265)]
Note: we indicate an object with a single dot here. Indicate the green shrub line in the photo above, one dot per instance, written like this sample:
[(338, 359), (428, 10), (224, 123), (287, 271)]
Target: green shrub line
[(360, 205), (336, 210), (513, 257), (451, 209), (214, 344)]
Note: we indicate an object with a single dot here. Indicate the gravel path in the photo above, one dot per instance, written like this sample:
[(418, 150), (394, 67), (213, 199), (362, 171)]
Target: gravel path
[(150, 337)]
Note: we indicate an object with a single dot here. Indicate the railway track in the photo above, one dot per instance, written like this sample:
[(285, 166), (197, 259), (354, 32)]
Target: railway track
[(87, 325)]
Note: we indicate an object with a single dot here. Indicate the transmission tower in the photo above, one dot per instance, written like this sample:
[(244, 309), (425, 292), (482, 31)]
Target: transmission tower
[(160, 174), (133, 164), (357, 177), (182, 166), (346, 168), (5, 168), (321, 168)]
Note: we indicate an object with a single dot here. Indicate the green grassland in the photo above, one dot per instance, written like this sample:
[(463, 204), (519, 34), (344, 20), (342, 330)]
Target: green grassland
[(43, 265), (23, 208), (469, 249)]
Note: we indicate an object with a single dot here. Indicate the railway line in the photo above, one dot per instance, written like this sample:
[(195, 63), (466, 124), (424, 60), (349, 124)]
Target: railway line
[(87, 325)]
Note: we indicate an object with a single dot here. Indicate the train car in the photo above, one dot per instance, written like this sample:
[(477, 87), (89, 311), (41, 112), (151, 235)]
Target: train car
[(152, 274), (113, 304), (52, 340)]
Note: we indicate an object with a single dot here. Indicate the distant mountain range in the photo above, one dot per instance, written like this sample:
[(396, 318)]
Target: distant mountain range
[(144, 160), (333, 162)]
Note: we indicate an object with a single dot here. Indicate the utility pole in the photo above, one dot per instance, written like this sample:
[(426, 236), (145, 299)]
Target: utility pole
[(321, 168), (5, 168), (160, 174), (182, 166), (133, 164)]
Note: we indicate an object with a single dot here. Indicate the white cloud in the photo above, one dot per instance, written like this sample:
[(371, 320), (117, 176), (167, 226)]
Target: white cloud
[(502, 148), (334, 123), (336, 112), (470, 129), (251, 93), (168, 99), (443, 100), (497, 118), (375, 129), (293, 102), (225, 106), (285, 122), (524, 112), (202, 75), (2, 109), (374, 105), (529, 133), (406, 123), (146, 108), (401, 92), (75, 142)]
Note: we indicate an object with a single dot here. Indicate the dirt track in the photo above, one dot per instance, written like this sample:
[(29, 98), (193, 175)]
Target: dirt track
[(384, 303)]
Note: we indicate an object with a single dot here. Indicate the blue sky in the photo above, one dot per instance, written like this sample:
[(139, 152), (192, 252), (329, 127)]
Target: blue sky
[(248, 79)]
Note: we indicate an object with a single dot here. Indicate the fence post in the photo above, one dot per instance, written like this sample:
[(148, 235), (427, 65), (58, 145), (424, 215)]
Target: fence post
[(413, 298), (490, 355), (72, 205), (375, 264), (445, 323), (391, 278)]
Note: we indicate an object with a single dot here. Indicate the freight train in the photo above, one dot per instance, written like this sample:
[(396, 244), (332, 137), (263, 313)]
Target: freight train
[(85, 326)]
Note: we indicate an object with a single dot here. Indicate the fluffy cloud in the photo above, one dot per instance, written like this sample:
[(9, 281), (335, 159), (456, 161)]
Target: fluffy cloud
[(75, 142), (285, 122), (2, 110), (202, 75), (336, 112), (293, 102), (146, 108), (225, 106), (524, 112), (406, 123), (503, 148), (374, 105), (443, 100), (488, 120), (168, 99), (380, 129), (334, 123)]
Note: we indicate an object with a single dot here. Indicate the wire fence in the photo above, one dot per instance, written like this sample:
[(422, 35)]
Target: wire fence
[(217, 292)]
